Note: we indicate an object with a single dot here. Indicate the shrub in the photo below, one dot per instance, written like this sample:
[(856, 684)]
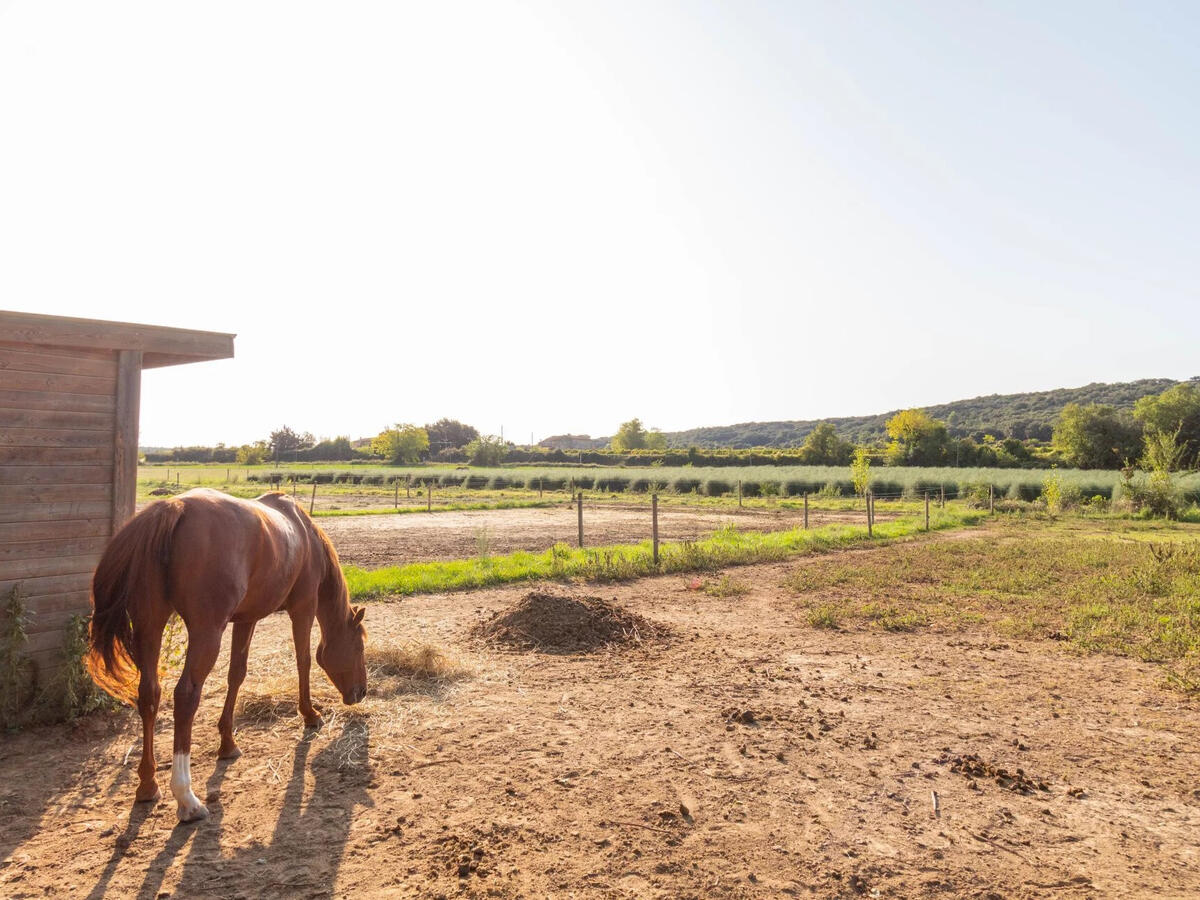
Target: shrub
[(831, 489), (715, 487), (1052, 493)]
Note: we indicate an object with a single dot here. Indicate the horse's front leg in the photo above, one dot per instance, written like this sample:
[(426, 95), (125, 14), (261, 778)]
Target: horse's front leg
[(238, 652), (302, 636), (203, 647)]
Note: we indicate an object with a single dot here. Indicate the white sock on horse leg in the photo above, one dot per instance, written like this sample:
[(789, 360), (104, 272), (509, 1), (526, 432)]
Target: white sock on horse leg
[(190, 806)]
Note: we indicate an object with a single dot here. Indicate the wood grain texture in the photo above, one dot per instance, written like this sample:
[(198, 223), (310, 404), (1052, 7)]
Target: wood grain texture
[(59, 475), (57, 510), (14, 380), (55, 419), (125, 437), (33, 495), (20, 569), (53, 530), (55, 437), (50, 585), (52, 548), (56, 620), (60, 331), (56, 400), (58, 456), (62, 361)]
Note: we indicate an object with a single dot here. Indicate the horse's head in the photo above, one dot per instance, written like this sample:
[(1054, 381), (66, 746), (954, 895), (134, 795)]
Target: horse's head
[(341, 654)]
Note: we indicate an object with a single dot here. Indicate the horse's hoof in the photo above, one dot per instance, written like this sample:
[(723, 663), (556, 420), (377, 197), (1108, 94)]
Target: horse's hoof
[(229, 753), (148, 795), (192, 812), (314, 724)]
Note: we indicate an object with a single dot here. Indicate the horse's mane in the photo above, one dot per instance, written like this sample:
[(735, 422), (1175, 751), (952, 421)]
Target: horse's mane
[(333, 582)]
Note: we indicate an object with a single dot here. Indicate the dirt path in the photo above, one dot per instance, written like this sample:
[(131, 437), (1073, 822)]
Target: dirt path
[(372, 541), (639, 773)]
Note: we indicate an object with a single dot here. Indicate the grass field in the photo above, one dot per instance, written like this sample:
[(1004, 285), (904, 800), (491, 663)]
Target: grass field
[(755, 481), (1119, 587), (726, 547)]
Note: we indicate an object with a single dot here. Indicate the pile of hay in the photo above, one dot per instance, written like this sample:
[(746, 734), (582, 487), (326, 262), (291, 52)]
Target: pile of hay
[(553, 623)]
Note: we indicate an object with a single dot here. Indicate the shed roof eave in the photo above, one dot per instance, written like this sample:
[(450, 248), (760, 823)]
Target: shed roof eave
[(161, 345)]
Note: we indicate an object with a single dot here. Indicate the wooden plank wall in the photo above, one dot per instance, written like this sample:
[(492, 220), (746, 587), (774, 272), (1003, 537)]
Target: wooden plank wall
[(58, 430)]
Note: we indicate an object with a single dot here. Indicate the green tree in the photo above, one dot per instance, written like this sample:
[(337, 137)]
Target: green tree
[(1096, 436), (860, 470), (284, 441), (450, 433), (332, 448), (917, 439), (823, 447), (487, 450), (632, 435), (252, 454), (402, 444), (1175, 410)]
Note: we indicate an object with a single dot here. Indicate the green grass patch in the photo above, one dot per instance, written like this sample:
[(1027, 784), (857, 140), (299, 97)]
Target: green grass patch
[(1124, 588), (726, 547)]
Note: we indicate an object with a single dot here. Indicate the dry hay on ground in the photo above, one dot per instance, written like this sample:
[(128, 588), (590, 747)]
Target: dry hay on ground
[(393, 668), (555, 623)]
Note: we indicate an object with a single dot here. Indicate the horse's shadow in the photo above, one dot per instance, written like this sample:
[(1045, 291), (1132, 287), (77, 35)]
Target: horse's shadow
[(308, 841)]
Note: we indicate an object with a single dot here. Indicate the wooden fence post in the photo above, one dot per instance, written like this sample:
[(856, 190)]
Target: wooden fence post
[(654, 527), (869, 516), (312, 501), (806, 510), (927, 510), (408, 485), (396, 496), (429, 496), (579, 506), (942, 504), (739, 492), (991, 498)]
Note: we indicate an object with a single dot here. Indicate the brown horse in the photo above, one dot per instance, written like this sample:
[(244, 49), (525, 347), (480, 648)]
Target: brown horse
[(215, 559)]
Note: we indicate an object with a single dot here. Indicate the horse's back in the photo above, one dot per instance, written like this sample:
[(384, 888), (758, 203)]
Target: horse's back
[(239, 553)]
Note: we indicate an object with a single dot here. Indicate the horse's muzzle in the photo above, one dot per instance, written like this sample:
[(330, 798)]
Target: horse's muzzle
[(354, 695)]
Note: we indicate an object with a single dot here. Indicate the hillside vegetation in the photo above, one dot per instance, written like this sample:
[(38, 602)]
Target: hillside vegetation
[(1021, 416)]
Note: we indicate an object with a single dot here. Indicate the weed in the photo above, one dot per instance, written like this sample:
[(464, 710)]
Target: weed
[(726, 587), (823, 617), (18, 677)]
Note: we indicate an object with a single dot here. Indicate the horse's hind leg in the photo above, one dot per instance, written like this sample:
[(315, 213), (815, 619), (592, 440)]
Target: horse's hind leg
[(148, 646), (203, 646), (238, 652)]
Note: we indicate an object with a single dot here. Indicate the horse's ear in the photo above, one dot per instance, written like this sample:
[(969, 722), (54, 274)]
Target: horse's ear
[(357, 618)]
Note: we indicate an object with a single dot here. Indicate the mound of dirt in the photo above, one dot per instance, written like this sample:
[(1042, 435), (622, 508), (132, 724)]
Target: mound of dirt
[(553, 623)]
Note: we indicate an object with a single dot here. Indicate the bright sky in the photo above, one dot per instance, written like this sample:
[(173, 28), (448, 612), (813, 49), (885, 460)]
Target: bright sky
[(554, 216)]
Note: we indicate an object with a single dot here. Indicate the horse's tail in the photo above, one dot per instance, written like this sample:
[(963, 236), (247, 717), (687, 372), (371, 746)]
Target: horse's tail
[(131, 571)]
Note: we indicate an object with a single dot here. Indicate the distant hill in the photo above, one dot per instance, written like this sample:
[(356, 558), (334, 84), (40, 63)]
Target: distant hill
[(1022, 416)]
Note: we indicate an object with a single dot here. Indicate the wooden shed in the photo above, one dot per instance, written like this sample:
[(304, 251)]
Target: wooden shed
[(69, 397)]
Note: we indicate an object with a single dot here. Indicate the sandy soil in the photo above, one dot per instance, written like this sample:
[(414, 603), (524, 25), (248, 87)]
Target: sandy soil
[(638, 773), (372, 541)]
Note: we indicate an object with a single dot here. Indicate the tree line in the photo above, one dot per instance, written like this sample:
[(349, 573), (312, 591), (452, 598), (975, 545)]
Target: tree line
[(1085, 436)]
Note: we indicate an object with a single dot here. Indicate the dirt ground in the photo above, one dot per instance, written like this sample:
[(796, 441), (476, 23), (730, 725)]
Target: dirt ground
[(748, 755), (373, 541)]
